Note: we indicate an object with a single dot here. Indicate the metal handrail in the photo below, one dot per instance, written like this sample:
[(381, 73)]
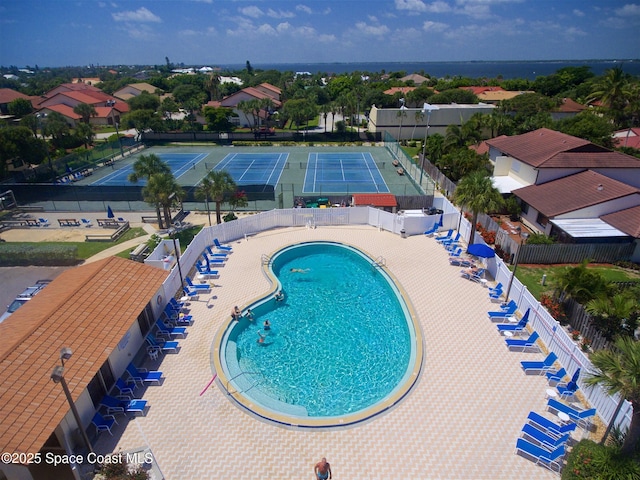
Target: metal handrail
[(380, 261)]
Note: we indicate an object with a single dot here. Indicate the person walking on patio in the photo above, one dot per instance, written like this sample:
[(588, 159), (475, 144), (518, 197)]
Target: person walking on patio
[(322, 469)]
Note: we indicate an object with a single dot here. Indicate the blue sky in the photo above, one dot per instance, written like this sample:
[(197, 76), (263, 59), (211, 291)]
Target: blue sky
[(219, 32)]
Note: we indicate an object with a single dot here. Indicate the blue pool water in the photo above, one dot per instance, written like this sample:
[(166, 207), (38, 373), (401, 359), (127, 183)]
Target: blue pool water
[(340, 342)]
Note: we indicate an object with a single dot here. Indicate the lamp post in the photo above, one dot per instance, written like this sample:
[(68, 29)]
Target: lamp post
[(428, 109), (57, 375), (401, 115), (119, 142), (523, 238), (172, 234)]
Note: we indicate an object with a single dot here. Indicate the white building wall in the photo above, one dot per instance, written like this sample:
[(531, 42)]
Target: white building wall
[(603, 208), (548, 174), (630, 176)]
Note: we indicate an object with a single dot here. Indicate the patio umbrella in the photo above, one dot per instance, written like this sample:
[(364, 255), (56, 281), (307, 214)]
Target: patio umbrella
[(481, 250), (109, 212)]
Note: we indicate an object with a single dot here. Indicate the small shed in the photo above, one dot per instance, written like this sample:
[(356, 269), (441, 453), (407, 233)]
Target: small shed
[(383, 201)]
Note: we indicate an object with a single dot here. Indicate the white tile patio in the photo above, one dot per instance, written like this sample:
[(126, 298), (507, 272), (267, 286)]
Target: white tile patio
[(460, 421)]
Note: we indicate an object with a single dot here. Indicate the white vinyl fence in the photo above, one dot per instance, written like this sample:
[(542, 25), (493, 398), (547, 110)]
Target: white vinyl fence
[(555, 337)]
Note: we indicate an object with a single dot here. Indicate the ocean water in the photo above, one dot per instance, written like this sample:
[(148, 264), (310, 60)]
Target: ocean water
[(478, 69)]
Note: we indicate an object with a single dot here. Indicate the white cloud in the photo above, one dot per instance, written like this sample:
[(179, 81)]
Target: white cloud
[(372, 18), (578, 13), (304, 9), (411, 5), (438, 7), (430, 26), (372, 29), (189, 33), (326, 38), (280, 14), (252, 11), (266, 29), (628, 10), (140, 15)]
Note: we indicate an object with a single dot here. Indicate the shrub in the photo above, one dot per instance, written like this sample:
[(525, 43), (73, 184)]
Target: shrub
[(539, 239), (229, 217), (555, 308), (588, 460), (21, 254)]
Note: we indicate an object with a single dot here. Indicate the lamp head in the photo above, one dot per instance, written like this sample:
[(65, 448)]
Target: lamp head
[(65, 353), (58, 374)]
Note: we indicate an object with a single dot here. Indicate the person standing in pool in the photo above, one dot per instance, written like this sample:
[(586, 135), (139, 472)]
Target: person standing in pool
[(279, 297), (260, 340), (266, 325), (249, 315), (322, 469)]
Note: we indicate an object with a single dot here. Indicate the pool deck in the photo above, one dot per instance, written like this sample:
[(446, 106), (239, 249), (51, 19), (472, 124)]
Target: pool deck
[(460, 421)]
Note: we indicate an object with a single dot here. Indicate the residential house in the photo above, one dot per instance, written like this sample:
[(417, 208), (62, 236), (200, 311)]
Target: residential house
[(629, 137), (411, 123), (415, 78), (133, 90), (402, 90), (76, 310), (7, 96), (264, 91), (570, 208), (86, 80), (568, 108)]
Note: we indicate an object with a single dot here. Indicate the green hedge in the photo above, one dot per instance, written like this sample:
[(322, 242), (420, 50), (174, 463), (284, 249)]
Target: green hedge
[(589, 460), (20, 255)]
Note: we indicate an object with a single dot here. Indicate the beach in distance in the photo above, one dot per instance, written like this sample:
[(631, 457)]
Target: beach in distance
[(476, 69)]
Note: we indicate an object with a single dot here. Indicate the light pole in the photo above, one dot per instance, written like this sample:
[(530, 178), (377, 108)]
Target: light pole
[(428, 109), (172, 234), (523, 238), (58, 377), (119, 142), (401, 115)]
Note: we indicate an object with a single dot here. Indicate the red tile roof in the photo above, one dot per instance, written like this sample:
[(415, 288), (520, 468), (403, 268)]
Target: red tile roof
[(88, 309), (394, 90), (570, 106), (8, 95), (629, 137), (574, 192), (479, 90), (65, 110), (375, 199), (627, 221), (578, 159)]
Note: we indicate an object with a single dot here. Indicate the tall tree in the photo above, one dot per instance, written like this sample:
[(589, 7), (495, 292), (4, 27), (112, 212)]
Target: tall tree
[(618, 371), (162, 190), (212, 84), (86, 111), (215, 187), (476, 192), (146, 166)]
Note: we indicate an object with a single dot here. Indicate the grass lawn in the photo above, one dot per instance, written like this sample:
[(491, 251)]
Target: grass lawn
[(531, 276)]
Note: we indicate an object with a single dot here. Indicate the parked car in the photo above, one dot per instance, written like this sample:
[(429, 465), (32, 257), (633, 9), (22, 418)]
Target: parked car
[(24, 297)]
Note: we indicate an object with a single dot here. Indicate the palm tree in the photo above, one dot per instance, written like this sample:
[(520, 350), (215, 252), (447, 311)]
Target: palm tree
[(212, 85), (618, 371), (613, 91), (614, 314), (85, 110), (476, 192), (162, 190), (215, 186), (143, 168)]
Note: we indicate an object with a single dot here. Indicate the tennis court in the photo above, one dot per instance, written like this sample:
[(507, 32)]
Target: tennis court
[(254, 168), (342, 171), (180, 164)]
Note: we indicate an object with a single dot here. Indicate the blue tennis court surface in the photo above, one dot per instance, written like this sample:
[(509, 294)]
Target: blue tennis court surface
[(180, 163), (343, 172), (254, 168)]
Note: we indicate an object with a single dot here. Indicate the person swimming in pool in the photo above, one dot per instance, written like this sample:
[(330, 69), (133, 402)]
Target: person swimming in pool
[(260, 340), (266, 325), (249, 315), (279, 297), (300, 270)]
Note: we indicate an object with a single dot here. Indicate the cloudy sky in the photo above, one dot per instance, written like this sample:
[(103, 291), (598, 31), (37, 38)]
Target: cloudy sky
[(222, 32)]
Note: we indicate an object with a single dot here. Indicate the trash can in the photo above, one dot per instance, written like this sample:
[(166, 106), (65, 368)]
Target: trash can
[(403, 233)]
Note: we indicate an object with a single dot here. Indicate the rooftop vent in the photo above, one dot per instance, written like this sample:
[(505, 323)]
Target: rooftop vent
[(600, 187)]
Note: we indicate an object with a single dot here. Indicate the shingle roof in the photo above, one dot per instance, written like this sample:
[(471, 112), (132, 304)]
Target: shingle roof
[(394, 90), (627, 220), (88, 309), (375, 199), (574, 192), (535, 148), (8, 95), (569, 105), (65, 110)]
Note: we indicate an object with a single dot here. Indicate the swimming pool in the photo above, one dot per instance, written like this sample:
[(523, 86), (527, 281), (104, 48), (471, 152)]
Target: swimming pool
[(343, 346)]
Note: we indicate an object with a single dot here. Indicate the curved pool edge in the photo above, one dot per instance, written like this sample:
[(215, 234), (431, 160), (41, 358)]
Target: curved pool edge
[(257, 410)]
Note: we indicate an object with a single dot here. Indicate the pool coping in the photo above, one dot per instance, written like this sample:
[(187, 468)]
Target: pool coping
[(394, 398)]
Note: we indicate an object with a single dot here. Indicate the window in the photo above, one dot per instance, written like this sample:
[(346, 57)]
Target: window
[(524, 206), (542, 220)]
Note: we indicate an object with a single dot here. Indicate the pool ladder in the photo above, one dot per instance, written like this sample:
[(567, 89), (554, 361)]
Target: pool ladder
[(265, 259), (380, 262), (229, 392)]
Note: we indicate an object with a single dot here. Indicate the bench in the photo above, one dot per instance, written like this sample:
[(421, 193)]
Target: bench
[(109, 223), (68, 222), (138, 254), (153, 219), (97, 237), (21, 223)]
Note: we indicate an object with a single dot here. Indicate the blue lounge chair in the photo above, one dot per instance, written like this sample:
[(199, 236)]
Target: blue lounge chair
[(178, 306), (450, 240), (212, 261), (577, 416), (473, 276), (219, 246), (191, 293), (445, 237), (546, 458), (461, 262), (570, 389), (163, 345), (504, 313), (124, 389), (523, 345), (213, 254), (455, 253), (540, 367), (170, 331), (44, 222), (515, 328), (103, 424), (143, 376), (496, 289), (86, 222), (203, 287), (114, 405), (548, 426), (557, 376), (541, 438), (432, 231)]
